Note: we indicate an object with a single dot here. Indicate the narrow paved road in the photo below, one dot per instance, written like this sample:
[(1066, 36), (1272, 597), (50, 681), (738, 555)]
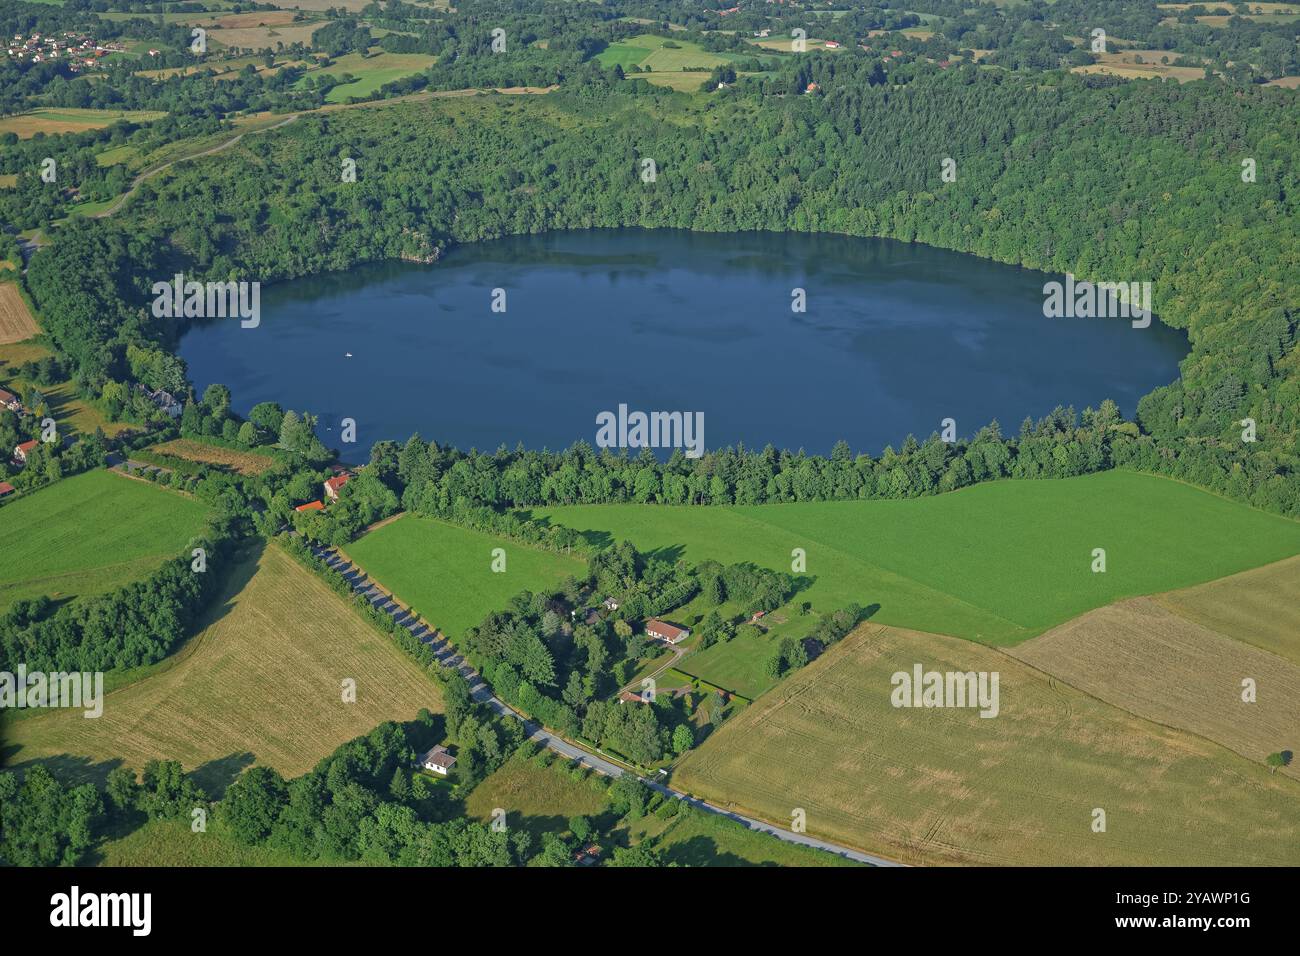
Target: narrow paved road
[(481, 692)]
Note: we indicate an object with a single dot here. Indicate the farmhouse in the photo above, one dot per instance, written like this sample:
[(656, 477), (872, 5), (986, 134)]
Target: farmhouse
[(439, 760), (165, 401), (10, 401), (316, 505), (21, 451), (588, 855), (332, 485), (668, 633)]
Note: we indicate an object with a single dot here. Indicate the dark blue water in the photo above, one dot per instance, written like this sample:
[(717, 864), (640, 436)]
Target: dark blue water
[(896, 337)]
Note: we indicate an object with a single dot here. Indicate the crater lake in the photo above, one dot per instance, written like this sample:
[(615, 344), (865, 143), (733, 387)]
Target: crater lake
[(895, 338)]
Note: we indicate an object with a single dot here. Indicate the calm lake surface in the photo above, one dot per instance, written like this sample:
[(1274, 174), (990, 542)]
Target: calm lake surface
[(896, 337)]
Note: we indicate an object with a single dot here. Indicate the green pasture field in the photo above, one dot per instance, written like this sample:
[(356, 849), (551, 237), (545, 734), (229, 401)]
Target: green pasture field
[(706, 839), (648, 52), (445, 572), (371, 72), (997, 563), (89, 534), (172, 843)]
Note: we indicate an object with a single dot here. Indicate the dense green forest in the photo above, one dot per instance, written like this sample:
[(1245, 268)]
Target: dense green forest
[(1108, 180)]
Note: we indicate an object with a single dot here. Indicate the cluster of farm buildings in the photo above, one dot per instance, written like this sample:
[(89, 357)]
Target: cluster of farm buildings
[(332, 488), (76, 49), (10, 402)]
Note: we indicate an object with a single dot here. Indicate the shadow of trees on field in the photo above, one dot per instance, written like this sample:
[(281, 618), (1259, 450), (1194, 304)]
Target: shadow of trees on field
[(215, 776), (703, 851)]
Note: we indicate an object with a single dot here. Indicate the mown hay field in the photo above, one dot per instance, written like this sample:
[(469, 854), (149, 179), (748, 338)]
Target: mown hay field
[(947, 786), (261, 38), (1142, 64), (1151, 662), (1260, 607), (249, 462), (16, 322), (261, 682)]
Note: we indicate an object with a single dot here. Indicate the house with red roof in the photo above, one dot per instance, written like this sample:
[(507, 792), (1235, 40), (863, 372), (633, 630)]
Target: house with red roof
[(333, 485), (6, 489), (22, 451), (668, 633), (316, 505)]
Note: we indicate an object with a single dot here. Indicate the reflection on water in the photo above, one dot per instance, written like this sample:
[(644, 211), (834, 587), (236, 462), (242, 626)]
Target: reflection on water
[(896, 337)]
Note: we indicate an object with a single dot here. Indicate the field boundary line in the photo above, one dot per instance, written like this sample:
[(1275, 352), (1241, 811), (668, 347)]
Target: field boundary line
[(883, 571)]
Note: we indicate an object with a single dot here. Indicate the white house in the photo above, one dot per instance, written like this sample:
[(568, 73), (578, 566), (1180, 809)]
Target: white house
[(438, 760)]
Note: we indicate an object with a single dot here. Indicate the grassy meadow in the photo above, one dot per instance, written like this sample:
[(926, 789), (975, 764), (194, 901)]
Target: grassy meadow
[(543, 799), (172, 843), (997, 562), (259, 683), (683, 66), (707, 839), (89, 534), (74, 414), (946, 786), (69, 119), (648, 52), (371, 72), (445, 572), (539, 799)]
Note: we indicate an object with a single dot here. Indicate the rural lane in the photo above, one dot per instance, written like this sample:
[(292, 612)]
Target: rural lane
[(154, 171), (481, 692)]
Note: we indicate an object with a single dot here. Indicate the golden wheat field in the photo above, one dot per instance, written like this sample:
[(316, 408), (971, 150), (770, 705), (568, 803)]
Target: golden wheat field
[(16, 322), (946, 786), (1259, 607), (261, 683), (1143, 658)]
